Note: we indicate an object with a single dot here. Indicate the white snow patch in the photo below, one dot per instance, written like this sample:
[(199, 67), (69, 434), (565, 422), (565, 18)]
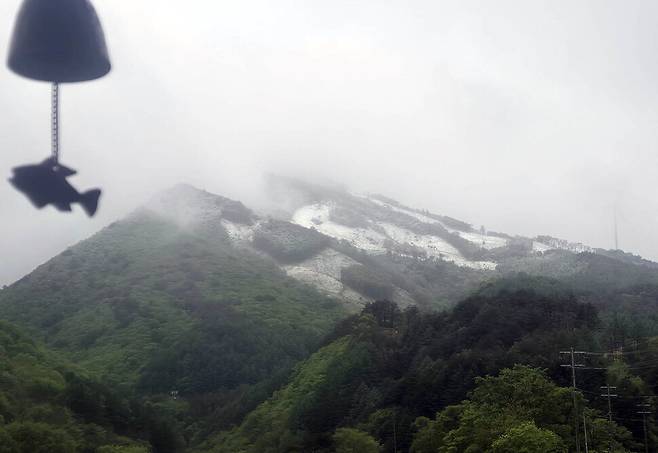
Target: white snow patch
[(481, 265), (423, 218), (321, 281), (433, 245), (540, 247), (317, 216), (329, 262), (561, 244), (323, 271), (239, 233), (488, 242)]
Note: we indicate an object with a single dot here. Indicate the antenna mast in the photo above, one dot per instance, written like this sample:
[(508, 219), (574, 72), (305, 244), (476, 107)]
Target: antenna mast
[(616, 230)]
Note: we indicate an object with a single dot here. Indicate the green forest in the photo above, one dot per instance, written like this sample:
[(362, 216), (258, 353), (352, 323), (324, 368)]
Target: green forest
[(149, 337)]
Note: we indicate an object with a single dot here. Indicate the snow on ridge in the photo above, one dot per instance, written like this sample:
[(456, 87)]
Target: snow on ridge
[(423, 218), (484, 240), (434, 246), (540, 247), (317, 216), (544, 243)]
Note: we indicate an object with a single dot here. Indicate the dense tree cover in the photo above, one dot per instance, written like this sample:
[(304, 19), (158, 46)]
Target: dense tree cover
[(626, 294), (367, 281), (379, 380), (520, 410), (47, 405), (386, 372), (151, 308), (273, 426), (287, 242), (527, 438), (194, 335), (349, 440)]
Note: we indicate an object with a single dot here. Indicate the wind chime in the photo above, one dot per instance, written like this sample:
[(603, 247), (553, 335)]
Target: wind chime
[(57, 41)]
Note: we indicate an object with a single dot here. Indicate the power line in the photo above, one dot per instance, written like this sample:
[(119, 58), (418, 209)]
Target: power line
[(616, 353), (573, 366), (582, 367), (608, 395), (585, 431), (618, 396), (644, 414)]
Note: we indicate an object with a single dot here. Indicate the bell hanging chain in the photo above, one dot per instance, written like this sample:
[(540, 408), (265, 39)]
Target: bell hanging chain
[(54, 122)]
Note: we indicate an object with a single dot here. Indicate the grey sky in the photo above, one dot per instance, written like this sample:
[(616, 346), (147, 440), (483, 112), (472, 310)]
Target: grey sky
[(530, 117)]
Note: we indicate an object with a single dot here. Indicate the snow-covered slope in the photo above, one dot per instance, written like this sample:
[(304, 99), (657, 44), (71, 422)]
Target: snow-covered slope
[(393, 250), (324, 272), (382, 237), (317, 216)]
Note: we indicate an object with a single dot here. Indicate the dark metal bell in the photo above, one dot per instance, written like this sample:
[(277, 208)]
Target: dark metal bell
[(59, 41)]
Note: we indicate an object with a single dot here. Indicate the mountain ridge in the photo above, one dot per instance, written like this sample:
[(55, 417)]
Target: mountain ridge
[(342, 231), (202, 308)]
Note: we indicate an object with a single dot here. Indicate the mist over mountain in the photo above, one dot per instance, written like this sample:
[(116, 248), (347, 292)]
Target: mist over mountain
[(361, 247), (232, 329), (403, 226)]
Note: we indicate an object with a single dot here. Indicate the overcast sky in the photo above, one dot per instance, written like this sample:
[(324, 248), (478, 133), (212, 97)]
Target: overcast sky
[(529, 117)]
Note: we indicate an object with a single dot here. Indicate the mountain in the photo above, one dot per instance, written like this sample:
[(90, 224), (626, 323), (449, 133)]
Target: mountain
[(386, 372), (383, 249), (49, 405), (227, 323), (153, 306)]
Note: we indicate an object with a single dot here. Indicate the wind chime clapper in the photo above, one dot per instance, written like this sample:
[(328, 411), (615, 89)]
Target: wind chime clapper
[(57, 41)]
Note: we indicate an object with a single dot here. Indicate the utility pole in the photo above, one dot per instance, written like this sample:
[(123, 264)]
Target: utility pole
[(644, 412), (609, 396), (585, 431), (616, 231), (573, 366), (395, 436)]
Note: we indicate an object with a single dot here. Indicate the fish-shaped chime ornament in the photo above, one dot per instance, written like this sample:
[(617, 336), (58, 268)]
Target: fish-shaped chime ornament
[(57, 41)]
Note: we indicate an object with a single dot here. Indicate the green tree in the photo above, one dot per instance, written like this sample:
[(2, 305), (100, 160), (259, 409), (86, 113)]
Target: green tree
[(31, 437), (517, 395), (349, 440), (499, 404), (7, 444), (527, 438), (430, 433)]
